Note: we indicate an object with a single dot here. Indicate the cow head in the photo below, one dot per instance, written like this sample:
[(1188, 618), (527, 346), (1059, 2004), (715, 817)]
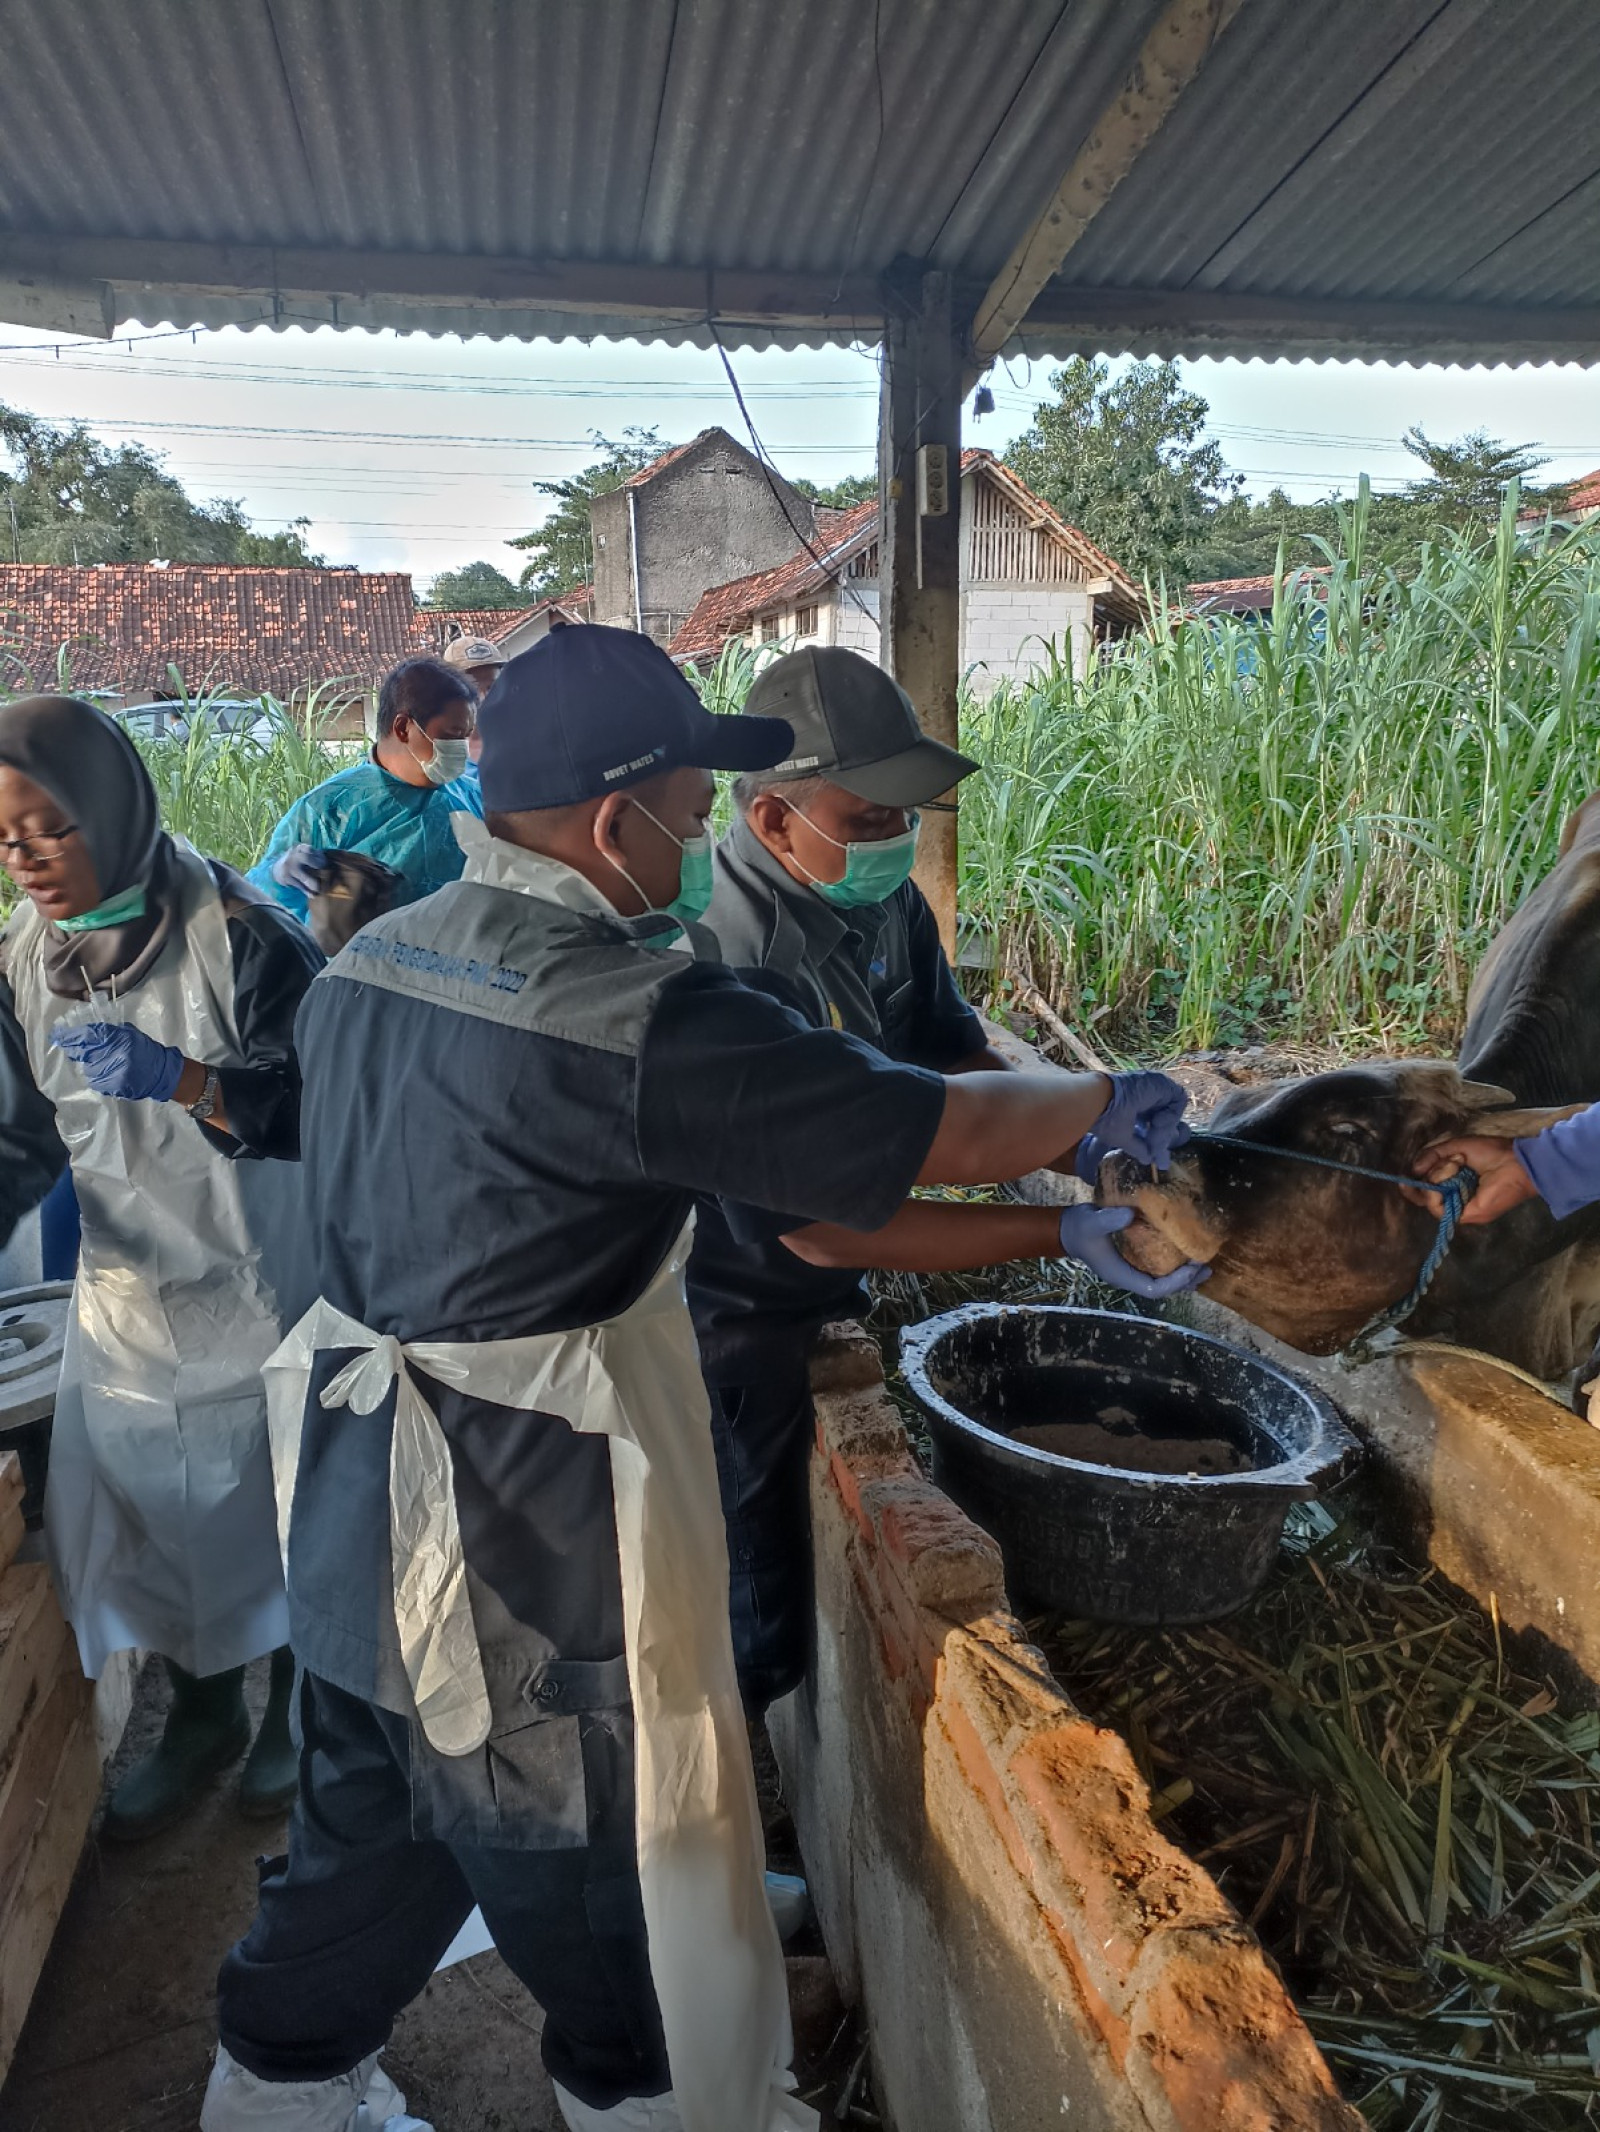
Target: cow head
[(1305, 1253)]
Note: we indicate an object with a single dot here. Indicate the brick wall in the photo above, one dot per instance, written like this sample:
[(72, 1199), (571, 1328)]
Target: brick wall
[(1031, 1951)]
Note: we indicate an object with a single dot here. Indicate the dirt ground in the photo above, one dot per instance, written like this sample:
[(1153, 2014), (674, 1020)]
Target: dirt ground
[(122, 2027)]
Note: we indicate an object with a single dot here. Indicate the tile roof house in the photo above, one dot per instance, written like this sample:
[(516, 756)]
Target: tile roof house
[(1253, 595), (1028, 581), (513, 629), (139, 630), (1580, 501), (1231, 595)]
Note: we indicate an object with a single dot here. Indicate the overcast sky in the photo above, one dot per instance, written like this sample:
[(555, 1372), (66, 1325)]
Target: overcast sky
[(416, 454)]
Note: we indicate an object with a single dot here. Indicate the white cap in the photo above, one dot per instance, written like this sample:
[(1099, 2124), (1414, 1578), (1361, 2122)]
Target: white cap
[(473, 651)]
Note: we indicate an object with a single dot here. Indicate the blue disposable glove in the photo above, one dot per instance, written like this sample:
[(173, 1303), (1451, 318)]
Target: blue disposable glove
[(1086, 1234), (302, 866), (1144, 1118), (1090, 1153), (119, 1061)]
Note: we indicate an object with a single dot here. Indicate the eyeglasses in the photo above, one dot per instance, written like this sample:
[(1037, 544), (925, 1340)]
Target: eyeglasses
[(48, 844)]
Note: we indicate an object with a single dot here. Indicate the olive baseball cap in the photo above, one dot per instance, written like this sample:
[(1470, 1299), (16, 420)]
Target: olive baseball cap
[(855, 726)]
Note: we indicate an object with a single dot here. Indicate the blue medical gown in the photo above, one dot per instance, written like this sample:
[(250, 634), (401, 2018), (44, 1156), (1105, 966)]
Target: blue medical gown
[(365, 809)]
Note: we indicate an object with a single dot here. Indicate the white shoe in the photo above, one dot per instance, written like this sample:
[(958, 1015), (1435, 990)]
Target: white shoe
[(363, 2100), (383, 2108), (640, 2113), (790, 1903)]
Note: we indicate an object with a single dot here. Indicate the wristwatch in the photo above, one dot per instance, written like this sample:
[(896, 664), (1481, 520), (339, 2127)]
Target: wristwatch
[(203, 1108)]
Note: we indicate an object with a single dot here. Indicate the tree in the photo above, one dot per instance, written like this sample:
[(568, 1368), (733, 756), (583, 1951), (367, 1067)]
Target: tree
[(1245, 538), (1128, 461), (562, 547), (1462, 487), (474, 585), (839, 495), (1466, 480), (67, 498)]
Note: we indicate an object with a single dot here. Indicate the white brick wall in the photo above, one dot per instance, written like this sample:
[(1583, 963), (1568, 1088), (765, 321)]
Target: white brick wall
[(853, 629), (1004, 628)]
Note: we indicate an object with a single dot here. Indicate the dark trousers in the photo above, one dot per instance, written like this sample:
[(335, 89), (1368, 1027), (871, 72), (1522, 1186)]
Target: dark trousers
[(351, 1924), (763, 1432)]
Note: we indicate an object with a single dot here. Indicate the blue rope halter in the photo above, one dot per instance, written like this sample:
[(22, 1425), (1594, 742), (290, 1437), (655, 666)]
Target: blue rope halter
[(1454, 1193)]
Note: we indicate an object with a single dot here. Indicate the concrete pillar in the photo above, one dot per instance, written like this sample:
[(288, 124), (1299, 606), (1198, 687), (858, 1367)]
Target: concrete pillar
[(920, 573)]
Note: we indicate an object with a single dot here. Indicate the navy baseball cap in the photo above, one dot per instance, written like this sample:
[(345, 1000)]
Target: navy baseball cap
[(591, 710)]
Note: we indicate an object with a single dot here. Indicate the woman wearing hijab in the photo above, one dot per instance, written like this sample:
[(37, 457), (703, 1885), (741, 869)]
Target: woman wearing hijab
[(147, 1003)]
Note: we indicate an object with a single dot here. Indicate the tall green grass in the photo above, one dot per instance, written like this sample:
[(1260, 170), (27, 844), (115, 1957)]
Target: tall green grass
[(226, 792), (1313, 826)]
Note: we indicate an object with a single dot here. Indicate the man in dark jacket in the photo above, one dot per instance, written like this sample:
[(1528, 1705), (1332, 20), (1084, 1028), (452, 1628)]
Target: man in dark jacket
[(814, 902), (506, 1569)]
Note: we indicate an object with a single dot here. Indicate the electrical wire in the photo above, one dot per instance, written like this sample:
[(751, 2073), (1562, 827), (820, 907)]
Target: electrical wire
[(409, 440), (775, 483)]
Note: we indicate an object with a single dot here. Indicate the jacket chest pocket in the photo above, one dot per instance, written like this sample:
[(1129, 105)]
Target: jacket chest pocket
[(896, 1005)]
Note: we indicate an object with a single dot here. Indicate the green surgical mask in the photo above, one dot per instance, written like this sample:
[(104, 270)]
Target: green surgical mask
[(695, 879), (872, 872), (116, 910)]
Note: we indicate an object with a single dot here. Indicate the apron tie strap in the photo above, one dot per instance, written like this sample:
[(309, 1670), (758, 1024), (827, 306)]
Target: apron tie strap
[(432, 1606), (364, 1383)]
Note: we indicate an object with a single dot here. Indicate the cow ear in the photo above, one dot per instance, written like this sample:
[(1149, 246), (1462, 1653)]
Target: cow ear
[(1523, 1124), (1484, 1095)]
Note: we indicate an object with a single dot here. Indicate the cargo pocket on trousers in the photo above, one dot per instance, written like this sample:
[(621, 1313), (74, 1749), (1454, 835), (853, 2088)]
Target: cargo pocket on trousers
[(525, 1788)]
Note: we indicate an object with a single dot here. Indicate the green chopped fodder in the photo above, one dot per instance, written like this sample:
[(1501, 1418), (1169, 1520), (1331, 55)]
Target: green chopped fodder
[(1405, 1818)]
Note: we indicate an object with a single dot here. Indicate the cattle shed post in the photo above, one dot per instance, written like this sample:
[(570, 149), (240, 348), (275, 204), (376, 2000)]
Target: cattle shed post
[(919, 575)]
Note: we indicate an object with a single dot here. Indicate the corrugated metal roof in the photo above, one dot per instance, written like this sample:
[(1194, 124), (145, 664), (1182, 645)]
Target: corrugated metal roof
[(1340, 153)]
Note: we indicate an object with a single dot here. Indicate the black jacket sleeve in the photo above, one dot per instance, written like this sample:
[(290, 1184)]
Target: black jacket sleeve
[(31, 1154), (274, 961)]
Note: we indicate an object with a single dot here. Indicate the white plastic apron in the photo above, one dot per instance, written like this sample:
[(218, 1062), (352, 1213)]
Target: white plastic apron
[(714, 1953), (159, 1510)]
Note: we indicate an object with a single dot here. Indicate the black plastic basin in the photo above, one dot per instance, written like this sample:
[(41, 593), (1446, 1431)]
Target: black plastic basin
[(1131, 1470)]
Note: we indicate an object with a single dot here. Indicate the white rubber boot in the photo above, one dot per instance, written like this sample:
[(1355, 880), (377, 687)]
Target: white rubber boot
[(789, 1900), (640, 2113), (383, 2108), (363, 2100)]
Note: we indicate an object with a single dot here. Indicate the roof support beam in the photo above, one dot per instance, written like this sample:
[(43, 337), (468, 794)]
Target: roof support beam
[(58, 306), (1169, 59), (89, 285), (1064, 317), (285, 278)]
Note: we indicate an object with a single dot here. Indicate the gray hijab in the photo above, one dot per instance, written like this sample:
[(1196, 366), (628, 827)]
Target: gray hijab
[(92, 770)]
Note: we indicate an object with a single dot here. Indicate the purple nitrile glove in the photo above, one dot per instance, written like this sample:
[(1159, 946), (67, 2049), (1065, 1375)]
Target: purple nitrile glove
[(1091, 1152), (302, 866), (119, 1061), (1144, 1118), (1086, 1234)]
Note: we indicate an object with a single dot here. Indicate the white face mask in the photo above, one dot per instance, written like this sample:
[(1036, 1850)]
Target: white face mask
[(447, 762)]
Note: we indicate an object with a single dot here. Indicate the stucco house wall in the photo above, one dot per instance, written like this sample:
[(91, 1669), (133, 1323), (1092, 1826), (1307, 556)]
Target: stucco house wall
[(704, 513)]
